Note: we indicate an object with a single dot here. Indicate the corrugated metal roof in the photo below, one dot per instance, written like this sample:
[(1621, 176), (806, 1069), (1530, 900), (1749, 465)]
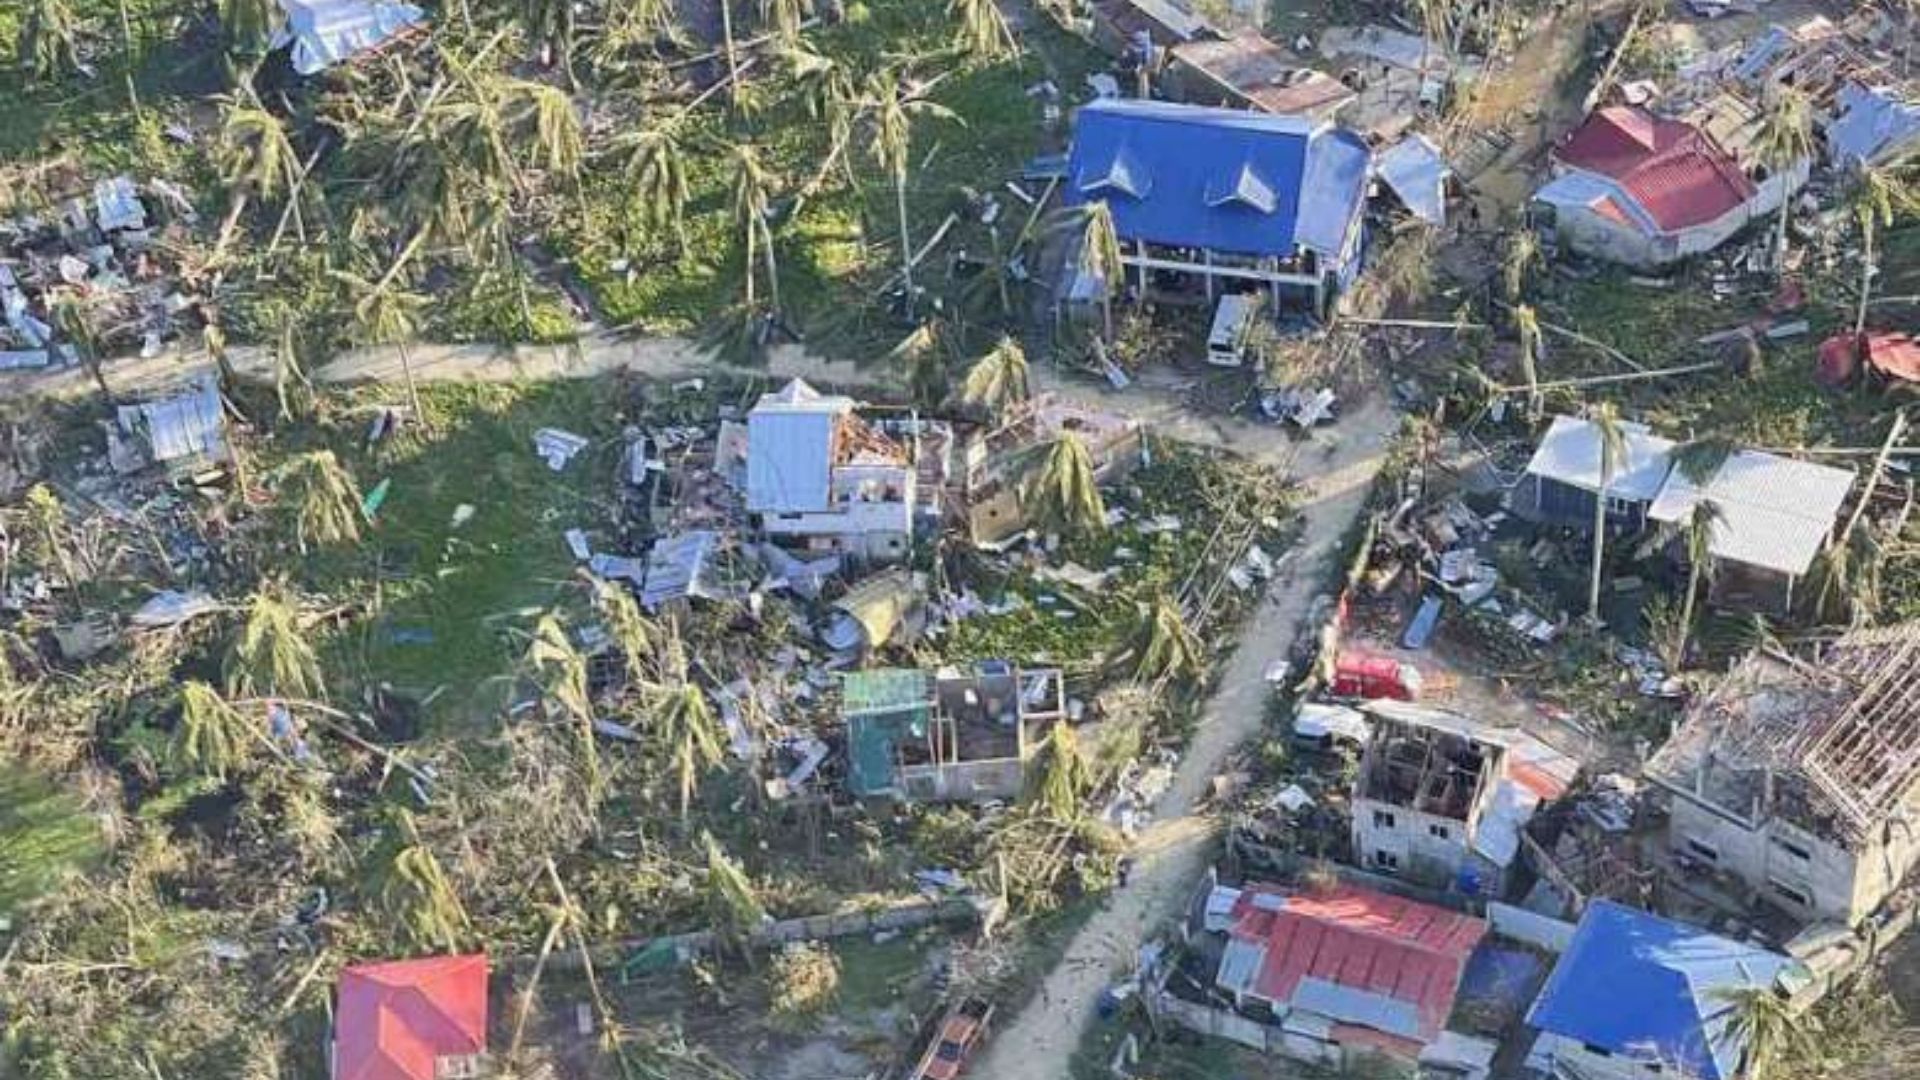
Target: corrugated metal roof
[(395, 1020), (1181, 175), (1873, 125), (191, 425), (1240, 965), (325, 32), (1678, 176), (1417, 173), (1386, 949), (1570, 454), (676, 566), (1674, 975), (790, 443), (1265, 75), (1775, 512)]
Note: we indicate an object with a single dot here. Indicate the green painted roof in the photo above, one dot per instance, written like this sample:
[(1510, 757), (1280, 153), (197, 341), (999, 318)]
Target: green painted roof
[(883, 690)]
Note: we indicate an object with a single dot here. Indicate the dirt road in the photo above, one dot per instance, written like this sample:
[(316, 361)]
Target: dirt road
[(1172, 854)]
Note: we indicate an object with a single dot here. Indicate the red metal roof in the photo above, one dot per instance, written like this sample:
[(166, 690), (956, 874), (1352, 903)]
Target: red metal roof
[(1893, 354), (1677, 174), (1361, 939), (395, 1019)]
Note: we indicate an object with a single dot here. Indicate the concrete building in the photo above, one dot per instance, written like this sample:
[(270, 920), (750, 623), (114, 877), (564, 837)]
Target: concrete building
[(821, 479), (950, 735), (994, 463), (1644, 191), (1441, 799), (1208, 199), (1796, 783), (1636, 997)]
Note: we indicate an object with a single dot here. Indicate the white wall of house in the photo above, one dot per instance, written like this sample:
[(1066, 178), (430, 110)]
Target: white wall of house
[(1806, 876), (871, 514), (1584, 230), (1395, 839)]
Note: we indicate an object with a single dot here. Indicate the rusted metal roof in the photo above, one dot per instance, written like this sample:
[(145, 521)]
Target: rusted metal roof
[(1677, 174)]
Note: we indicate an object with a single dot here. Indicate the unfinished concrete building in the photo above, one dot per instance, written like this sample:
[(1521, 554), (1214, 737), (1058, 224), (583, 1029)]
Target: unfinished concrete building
[(995, 462), (1798, 783), (949, 735), (1442, 798)]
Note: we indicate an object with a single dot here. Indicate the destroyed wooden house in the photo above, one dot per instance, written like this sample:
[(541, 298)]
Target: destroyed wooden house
[(1208, 200), (1247, 71), (947, 736), (995, 463), (1331, 975), (1121, 27), (1864, 104), (1795, 782), (1644, 191), (821, 479), (1442, 799)]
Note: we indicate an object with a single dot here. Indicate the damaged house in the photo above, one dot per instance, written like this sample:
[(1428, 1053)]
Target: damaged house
[(1442, 798), (1644, 191), (1563, 479), (1798, 782), (1207, 200), (821, 479), (322, 33), (947, 736), (994, 463), (185, 434)]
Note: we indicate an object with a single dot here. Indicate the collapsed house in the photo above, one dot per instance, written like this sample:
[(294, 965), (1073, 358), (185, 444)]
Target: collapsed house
[(949, 735), (1329, 975), (322, 33), (1643, 190), (995, 463), (1247, 71), (1863, 104), (1638, 996), (422, 1019), (1774, 516), (1205, 199), (820, 478), (185, 434), (1795, 781), (1442, 799)]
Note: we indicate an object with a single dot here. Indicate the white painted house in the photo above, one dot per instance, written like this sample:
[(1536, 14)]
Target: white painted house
[(820, 479)]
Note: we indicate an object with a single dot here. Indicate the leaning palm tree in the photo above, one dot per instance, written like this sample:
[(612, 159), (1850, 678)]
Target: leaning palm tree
[(256, 161), (318, 494), (560, 669), (999, 380), (983, 29), (1523, 252), (549, 26), (785, 16), (211, 737), (1694, 534), (1098, 252), (270, 656), (248, 26), (752, 189), (1528, 324), (733, 907), (635, 635), (894, 111), (1783, 143), (416, 893), (1165, 648), (1060, 493), (1876, 196), (687, 732), (654, 161), (1765, 1026), (1847, 574), (543, 120), (49, 43), (1612, 445), (385, 313), (923, 354), (1066, 775)]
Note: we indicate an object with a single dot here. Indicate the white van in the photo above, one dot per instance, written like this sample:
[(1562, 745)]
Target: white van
[(1232, 326)]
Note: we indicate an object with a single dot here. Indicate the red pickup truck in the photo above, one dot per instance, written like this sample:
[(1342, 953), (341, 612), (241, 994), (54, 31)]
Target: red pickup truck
[(960, 1031)]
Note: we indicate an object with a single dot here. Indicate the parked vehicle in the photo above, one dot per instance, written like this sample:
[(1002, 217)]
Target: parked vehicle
[(1233, 320), (1367, 676), (964, 1026), (1321, 726)]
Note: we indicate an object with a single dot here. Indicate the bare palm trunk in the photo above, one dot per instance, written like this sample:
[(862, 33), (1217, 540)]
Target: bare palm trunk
[(98, 371), (413, 388), (1866, 283), (1686, 613), (906, 239), (751, 255), (733, 60), (126, 38), (1106, 312), (228, 224), (773, 269), (1780, 246), (1599, 542)]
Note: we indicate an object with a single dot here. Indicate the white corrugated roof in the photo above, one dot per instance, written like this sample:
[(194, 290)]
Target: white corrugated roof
[(325, 32), (1570, 454), (1239, 965), (790, 449), (1775, 512)]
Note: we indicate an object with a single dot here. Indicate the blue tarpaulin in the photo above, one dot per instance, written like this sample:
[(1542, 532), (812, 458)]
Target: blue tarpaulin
[(1639, 985), (1224, 180)]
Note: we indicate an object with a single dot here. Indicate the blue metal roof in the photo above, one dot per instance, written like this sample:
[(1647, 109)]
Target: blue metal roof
[(1222, 179), (1640, 985)]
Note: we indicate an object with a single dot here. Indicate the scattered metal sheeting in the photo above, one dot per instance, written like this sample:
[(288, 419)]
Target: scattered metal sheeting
[(1417, 174), (677, 568), (557, 447), (118, 205), (875, 613), (171, 608), (187, 429), (326, 32)]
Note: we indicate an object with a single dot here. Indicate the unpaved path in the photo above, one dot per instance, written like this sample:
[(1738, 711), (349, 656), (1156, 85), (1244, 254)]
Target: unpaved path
[(1171, 855)]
